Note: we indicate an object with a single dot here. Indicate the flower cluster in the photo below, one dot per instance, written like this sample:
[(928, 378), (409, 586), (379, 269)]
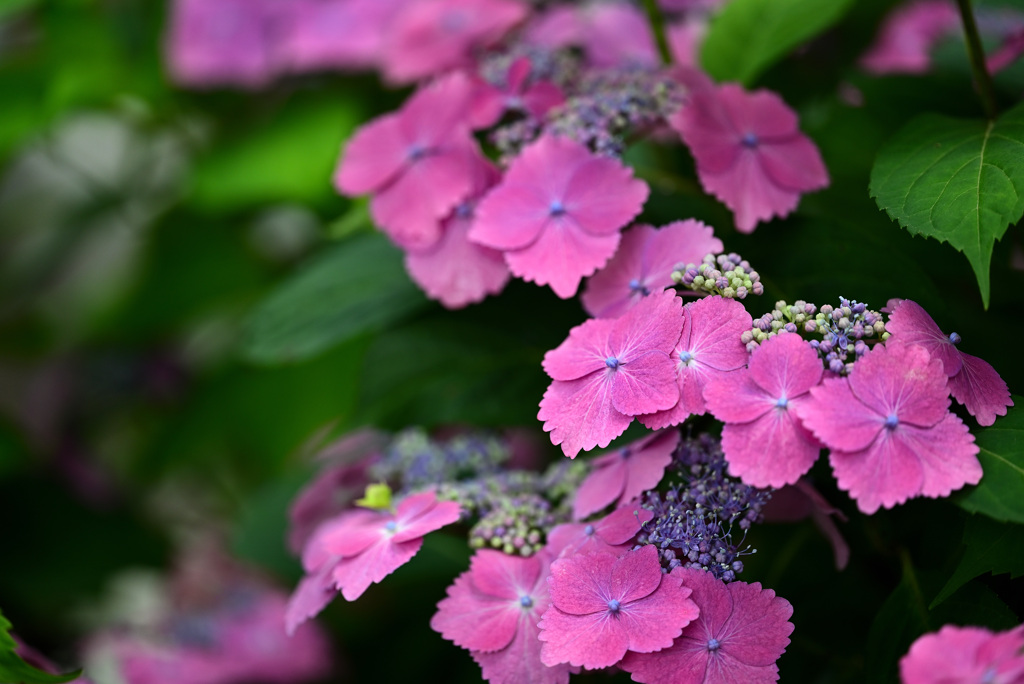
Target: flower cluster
[(965, 654), (728, 275), (413, 461)]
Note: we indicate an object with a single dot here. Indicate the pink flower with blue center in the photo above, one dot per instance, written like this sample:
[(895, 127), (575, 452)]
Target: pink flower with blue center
[(889, 428), (603, 607), (763, 438), (613, 533), (741, 632), (965, 654), (609, 371)]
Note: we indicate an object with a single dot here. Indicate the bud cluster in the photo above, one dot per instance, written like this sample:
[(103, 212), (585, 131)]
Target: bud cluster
[(728, 275), (413, 461)]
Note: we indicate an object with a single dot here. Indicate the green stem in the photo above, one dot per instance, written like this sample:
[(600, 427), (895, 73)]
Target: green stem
[(657, 22), (976, 55)]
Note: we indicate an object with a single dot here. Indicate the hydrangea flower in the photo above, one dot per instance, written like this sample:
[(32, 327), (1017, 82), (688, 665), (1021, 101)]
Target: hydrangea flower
[(908, 35), (763, 439), (709, 347), (644, 263), (220, 42), (492, 609), (337, 34), (621, 476), (965, 654), (360, 548), (890, 431), (418, 163), (749, 151), (611, 34), (741, 631), (603, 606), (454, 270), (428, 38), (516, 93), (972, 381), (608, 371), (609, 534), (558, 212)]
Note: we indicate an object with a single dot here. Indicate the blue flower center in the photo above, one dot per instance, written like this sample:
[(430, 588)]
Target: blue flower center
[(390, 526), (954, 338), (614, 605), (714, 645), (636, 286), (526, 602), (685, 356), (416, 152), (464, 210), (556, 208), (891, 421), (782, 402), (611, 362), (588, 530), (749, 140)]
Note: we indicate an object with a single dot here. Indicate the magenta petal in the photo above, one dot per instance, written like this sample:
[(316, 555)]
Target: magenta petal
[(347, 534), (592, 641), (645, 385), (600, 488), (419, 522), (647, 464), (374, 155), (500, 575), (577, 583), (964, 654), (910, 323), (511, 216), (562, 255), (736, 398), (622, 524), (837, 418), (771, 451), (654, 324), (785, 366), (979, 387), (583, 351), (473, 620), (795, 164), (579, 414), (602, 196), (654, 624), (311, 596), (520, 661), (749, 193), (759, 111), (884, 474), (354, 575), (636, 575), (903, 380)]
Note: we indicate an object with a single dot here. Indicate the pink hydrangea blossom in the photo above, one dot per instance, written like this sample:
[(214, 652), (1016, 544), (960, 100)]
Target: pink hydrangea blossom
[(610, 534), (360, 548), (741, 632), (220, 42), (558, 212), (908, 35), (432, 36), (709, 347), (493, 610), (454, 270), (621, 476), (518, 93), (337, 34), (419, 163), (763, 439), (611, 34), (608, 371), (889, 428), (644, 264), (965, 654), (749, 151), (972, 382), (603, 606)]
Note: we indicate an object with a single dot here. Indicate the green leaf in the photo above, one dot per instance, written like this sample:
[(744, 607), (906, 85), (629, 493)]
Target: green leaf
[(748, 36), (352, 288), (991, 547), (14, 670), (902, 617), (1000, 494), (12, 6), (958, 181)]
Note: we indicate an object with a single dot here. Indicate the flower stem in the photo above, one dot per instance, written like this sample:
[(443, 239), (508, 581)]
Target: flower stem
[(657, 21), (976, 55)]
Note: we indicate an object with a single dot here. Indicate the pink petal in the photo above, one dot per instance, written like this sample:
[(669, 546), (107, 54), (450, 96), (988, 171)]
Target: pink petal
[(347, 534), (608, 293), (655, 622), (735, 398), (980, 388), (579, 414), (600, 488), (750, 194), (910, 323), (964, 654), (644, 385), (761, 112), (785, 366), (838, 418), (583, 351), (520, 662), (437, 516), (354, 575), (795, 164), (647, 465), (512, 216), (578, 584), (636, 575), (622, 524), (592, 641), (602, 196), (502, 576), (562, 256), (474, 620), (902, 380), (375, 154), (311, 596), (772, 451), (654, 324), (541, 98)]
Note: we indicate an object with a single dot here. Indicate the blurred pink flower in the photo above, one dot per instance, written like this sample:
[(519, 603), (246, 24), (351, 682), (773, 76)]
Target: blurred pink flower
[(644, 263), (708, 348), (557, 213), (741, 632), (337, 34), (621, 476), (763, 439), (608, 371), (908, 35), (611, 34), (603, 606), (889, 428), (490, 102), (965, 654), (749, 151), (972, 382)]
